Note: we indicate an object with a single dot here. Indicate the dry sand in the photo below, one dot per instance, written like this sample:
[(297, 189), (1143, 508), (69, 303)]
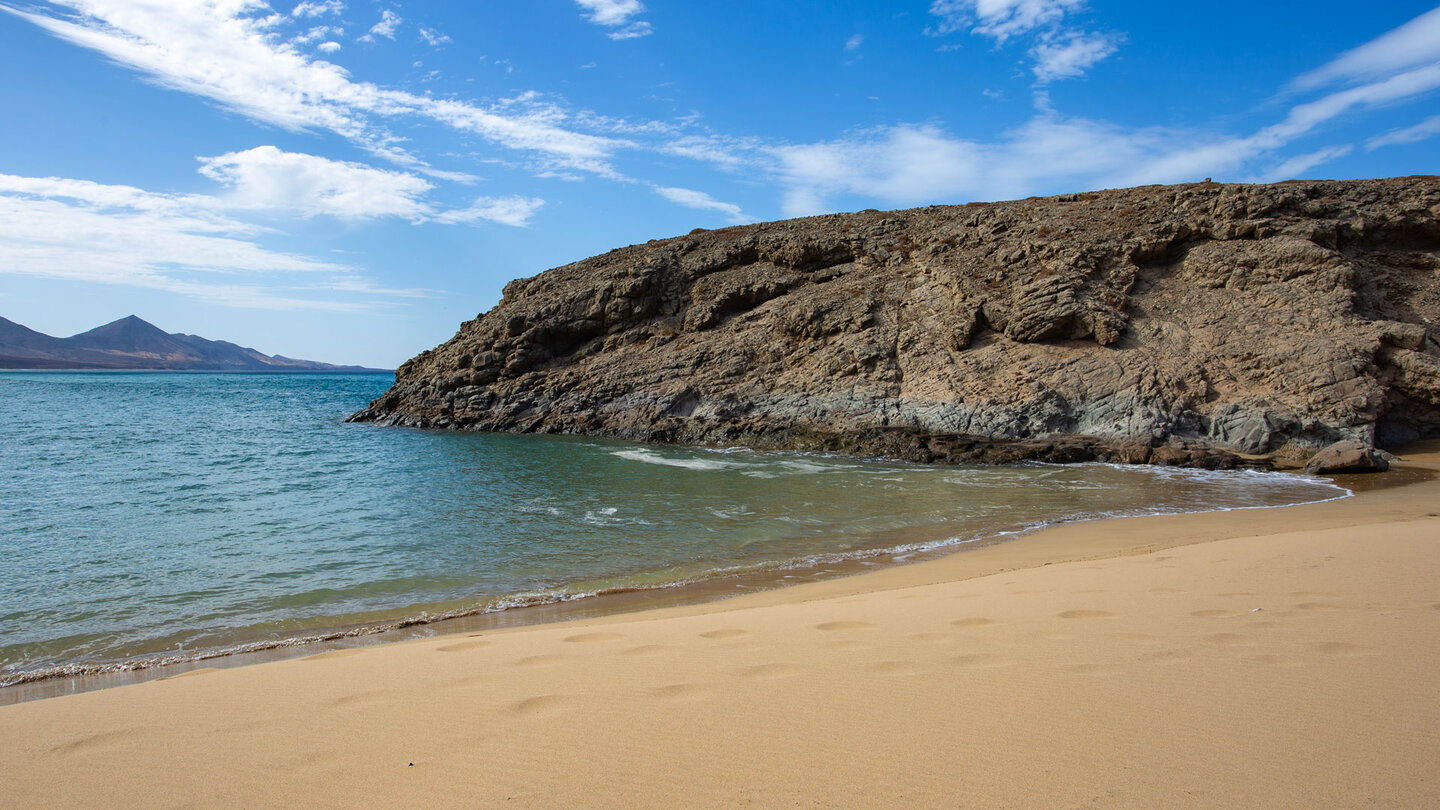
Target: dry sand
[(1271, 658)]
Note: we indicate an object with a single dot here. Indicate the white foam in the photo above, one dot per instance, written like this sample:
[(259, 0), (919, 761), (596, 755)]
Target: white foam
[(651, 457)]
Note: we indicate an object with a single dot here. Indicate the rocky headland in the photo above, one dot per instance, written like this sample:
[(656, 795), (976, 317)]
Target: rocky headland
[(1207, 324)]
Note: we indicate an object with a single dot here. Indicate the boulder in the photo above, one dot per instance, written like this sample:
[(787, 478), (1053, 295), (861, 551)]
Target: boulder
[(1347, 457)]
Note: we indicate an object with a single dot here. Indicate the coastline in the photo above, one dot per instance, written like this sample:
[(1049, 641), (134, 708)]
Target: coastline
[(1115, 663), (589, 600)]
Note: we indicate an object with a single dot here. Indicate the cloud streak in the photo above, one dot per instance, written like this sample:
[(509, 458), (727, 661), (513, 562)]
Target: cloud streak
[(1059, 52), (214, 50)]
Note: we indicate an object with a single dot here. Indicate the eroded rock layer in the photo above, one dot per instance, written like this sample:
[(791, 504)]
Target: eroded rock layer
[(1204, 324)]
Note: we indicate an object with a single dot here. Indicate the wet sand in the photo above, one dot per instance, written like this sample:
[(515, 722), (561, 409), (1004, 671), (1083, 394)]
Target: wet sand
[(1260, 658)]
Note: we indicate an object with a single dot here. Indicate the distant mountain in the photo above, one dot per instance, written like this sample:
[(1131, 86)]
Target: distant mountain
[(131, 343)]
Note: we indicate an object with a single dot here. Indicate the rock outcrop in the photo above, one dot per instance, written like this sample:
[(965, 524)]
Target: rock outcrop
[(1206, 324)]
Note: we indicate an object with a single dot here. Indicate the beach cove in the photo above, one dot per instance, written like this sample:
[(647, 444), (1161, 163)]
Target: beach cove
[(1281, 658)]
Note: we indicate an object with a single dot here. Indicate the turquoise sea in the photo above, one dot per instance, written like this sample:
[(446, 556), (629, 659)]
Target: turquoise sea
[(148, 517)]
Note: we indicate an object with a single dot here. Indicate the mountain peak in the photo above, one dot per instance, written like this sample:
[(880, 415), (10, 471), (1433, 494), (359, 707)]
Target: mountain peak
[(132, 342)]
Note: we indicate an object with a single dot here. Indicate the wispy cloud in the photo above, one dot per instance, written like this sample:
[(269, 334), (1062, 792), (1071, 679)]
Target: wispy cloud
[(268, 179), (1297, 166), (82, 231), (1428, 128), (220, 53), (513, 210), (1060, 50), (999, 19), (434, 38), (911, 164), (617, 15), (1068, 56), (389, 21), (704, 202), (1411, 45), (854, 42), (317, 8), (208, 247)]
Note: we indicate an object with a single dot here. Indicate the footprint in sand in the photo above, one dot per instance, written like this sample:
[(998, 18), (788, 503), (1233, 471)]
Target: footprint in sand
[(585, 638), (681, 691), (543, 704), (843, 625), (976, 621), (357, 698), (462, 646), (643, 651), (122, 737), (979, 661), (1086, 614), (1336, 648), (542, 660), (725, 633), (778, 670), (895, 668)]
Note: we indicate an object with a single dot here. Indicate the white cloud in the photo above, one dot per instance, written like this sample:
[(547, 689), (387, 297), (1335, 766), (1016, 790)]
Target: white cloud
[(1428, 128), (854, 42), (389, 21), (1069, 56), (913, 164), (316, 34), (514, 210), (216, 52), (1296, 166), (1060, 52), (1000, 19), (634, 30), (266, 178), (704, 202), (434, 38), (1412, 44), (617, 14), (610, 12), (78, 230), (328, 47), (317, 8)]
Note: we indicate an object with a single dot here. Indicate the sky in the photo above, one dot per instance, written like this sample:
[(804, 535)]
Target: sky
[(349, 180)]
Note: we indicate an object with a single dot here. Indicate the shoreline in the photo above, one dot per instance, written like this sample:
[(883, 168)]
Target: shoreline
[(1277, 657), (548, 608)]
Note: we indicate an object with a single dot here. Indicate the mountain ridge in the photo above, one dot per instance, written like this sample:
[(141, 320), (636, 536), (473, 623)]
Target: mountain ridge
[(1204, 324), (134, 344)]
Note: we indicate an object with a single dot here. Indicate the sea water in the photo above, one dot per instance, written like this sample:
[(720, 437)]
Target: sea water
[(149, 517)]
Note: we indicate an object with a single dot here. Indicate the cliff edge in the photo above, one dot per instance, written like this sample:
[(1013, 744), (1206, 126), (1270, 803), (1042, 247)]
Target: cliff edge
[(1205, 324)]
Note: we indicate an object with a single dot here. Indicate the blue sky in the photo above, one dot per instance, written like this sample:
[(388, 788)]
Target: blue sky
[(349, 180)]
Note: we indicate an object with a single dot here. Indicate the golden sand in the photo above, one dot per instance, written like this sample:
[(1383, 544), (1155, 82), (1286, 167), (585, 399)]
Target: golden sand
[(1268, 658)]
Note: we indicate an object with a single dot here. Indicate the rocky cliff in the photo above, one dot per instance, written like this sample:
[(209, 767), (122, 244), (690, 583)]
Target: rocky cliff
[(1206, 324)]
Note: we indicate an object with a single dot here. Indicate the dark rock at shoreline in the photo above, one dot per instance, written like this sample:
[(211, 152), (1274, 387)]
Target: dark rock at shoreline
[(1347, 457), (1207, 325)]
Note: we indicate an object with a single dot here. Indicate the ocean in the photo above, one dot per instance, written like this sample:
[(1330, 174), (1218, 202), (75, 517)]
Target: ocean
[(157, 517)]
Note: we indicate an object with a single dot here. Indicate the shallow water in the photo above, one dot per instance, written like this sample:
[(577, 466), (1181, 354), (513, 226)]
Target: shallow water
[(168, 515)]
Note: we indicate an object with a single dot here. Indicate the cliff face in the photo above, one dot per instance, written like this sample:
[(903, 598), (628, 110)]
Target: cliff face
[(1168, 324)]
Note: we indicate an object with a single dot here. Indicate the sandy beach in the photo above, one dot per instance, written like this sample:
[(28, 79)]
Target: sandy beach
[(1264, 658)]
